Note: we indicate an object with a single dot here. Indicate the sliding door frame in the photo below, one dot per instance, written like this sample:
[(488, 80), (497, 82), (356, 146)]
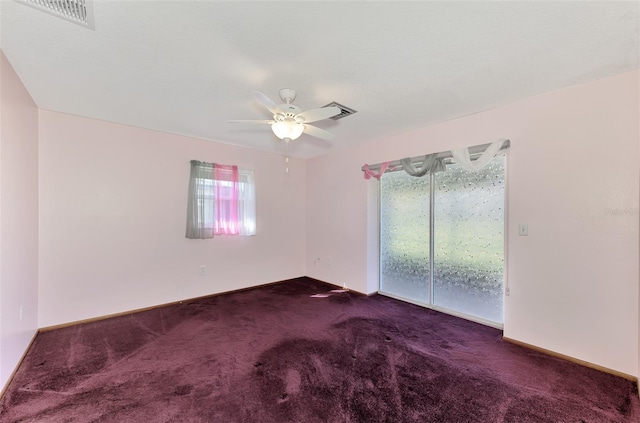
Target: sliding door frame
[(505, 284)]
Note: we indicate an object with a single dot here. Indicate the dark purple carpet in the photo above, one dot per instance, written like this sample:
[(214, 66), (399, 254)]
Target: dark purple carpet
[(275, 354)]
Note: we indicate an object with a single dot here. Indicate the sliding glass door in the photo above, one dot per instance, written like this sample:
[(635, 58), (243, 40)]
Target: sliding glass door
[(469, 240), (404, 235), (442, 239)]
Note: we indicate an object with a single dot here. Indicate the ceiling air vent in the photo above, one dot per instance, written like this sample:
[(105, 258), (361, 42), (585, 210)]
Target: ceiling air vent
[(76, 11), (344, 110)]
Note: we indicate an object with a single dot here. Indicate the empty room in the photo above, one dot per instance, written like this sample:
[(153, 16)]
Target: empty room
[(319, 211)]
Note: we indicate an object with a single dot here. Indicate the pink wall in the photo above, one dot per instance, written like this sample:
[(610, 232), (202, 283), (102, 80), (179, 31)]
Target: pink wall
[(573, 177), (18, 219), (113, 204)]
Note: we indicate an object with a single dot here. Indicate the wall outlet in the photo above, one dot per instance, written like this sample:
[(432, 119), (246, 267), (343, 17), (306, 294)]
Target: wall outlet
[(203, 270), (21, 309)]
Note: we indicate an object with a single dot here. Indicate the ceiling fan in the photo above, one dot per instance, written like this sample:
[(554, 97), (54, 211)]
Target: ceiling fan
[(289, 122)]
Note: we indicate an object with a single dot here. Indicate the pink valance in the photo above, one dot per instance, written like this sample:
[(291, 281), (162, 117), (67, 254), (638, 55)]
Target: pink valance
[(368, 173)]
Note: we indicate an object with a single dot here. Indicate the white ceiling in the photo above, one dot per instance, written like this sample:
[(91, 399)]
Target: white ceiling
[(186, 67)]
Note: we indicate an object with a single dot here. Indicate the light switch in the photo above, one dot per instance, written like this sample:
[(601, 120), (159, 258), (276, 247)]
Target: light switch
[(523, 229)]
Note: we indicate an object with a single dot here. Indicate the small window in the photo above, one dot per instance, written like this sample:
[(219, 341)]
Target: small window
[(221, 201)]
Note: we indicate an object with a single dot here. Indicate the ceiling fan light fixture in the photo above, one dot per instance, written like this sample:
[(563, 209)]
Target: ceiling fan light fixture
[(289, 122), (286, 130)]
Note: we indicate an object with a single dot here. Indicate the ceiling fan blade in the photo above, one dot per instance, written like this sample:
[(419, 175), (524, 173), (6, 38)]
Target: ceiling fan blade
[(319, 114), (314, 131), (267, 103), (268, 122)]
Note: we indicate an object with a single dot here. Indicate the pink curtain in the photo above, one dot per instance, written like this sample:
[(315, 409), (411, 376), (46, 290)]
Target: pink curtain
[(368, 173), (226, 195)]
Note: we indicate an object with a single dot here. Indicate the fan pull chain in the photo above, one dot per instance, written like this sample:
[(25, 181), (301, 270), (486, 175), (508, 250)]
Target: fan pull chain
[(286, 158)]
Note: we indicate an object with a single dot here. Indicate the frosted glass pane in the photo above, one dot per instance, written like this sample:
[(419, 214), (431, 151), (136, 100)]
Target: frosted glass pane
[(404, 236), (469, 240)]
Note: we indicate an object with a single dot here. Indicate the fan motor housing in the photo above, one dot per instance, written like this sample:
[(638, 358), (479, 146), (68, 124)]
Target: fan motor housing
[(289, 109)]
